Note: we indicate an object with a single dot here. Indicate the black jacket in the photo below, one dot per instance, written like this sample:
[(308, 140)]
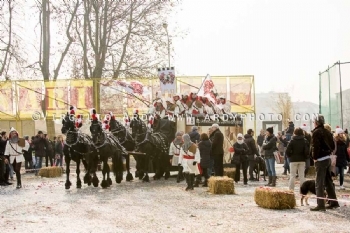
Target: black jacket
[(217, 147), (342, 154), (270, 146), (194, 135), (2, 146), (298, 149), (241, 153), (58, 148), (205, 150), (322, 142), (40, 145), (260, 139), (290, 129), (166, 127), (28, 154), (249, 140)]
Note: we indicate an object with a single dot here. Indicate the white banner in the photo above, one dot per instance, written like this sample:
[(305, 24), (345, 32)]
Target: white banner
[(167, 80)]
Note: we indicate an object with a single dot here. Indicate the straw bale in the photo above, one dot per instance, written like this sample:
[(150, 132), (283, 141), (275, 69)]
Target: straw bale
[(272, 198), (50, 172), (221, 185), (311, 171), (230, 172)]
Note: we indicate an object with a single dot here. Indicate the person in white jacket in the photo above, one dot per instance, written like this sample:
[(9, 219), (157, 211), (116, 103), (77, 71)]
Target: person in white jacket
[(14, 149), (174, 153), (188, 159)]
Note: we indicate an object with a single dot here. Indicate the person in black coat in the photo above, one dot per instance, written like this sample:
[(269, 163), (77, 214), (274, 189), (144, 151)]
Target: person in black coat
[(240, 158), (59, 151), (253, 151), (28, 163), (217, 150), (194, 135), (204, 147), (342, 155), (290, 130), (297, 151)]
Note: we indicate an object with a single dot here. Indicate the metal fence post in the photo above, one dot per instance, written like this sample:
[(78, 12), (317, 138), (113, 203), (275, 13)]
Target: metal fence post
[(329, 99), (341, 97), (319, 93)]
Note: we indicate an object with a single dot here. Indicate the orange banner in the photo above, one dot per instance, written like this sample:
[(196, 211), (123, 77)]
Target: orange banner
[(81, 95), (241, 94), (6, 101), (30, 95), (56, 99)]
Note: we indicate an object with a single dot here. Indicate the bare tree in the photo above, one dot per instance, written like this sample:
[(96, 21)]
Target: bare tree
[(284, 106)]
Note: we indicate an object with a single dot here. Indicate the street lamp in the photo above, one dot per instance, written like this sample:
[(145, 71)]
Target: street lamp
[(165, 26)]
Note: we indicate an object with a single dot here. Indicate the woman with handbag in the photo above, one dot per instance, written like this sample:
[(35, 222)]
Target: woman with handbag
[(342, 156), (59, 151)]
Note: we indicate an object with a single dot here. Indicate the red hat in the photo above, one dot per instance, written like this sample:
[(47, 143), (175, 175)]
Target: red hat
[(93, 115), (337, 127), (72, 110)]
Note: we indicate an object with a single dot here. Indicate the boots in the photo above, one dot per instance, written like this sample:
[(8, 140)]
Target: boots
[(198, 180), (192, 176), (270, 181), (180, 176), (274, 178), (188, 182), (19, 182)]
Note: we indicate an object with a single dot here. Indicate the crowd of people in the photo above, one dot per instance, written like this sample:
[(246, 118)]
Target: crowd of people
[(14, 150)]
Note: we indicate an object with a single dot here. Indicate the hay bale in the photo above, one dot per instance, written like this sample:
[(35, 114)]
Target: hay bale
[(311, 171), (230, 172), (221, 185), (272, 198), (50, 172)]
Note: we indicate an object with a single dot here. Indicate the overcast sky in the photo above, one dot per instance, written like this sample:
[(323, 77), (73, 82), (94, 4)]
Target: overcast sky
[(284, 44)]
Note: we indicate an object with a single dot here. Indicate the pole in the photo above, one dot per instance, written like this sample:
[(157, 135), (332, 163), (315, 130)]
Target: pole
[(341, 97), (167, 34), (319, 94), (254, 108), (329, 98)]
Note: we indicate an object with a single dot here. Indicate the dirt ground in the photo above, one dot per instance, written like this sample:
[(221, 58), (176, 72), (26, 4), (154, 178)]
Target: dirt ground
[(43, 205)]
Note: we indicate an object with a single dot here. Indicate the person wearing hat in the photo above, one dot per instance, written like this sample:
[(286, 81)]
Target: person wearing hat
[(240, 158), (224, 107), (289, 130), (14, 149), (322, 145), (40, 145), (160, 109), (196, 106), (342, 155), (179, 104), (174, 152), (217, 150), (309, 160), (171, 108), (269, 147), (135, 123), (253, 151), (186, 102)]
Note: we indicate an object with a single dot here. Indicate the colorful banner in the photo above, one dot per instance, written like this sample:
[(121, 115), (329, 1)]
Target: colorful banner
[(30, 96), (81, 95), (143, 100), (6, 101), (167, 80), (241, 94), (111, 97), (56, 98)]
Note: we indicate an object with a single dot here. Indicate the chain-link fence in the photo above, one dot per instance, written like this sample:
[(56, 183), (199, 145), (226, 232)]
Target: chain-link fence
[(334, 94)]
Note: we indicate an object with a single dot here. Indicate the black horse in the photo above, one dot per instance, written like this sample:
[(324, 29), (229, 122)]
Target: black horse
[(125, 139), (156, 148), (77, 148), (107, 146)]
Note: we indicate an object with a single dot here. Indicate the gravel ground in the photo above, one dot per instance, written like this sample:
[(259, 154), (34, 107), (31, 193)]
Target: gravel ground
[(43, 205)]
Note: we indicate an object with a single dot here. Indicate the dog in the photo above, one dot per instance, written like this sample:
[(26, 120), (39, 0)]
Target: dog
[(307, 187), (259, 166)]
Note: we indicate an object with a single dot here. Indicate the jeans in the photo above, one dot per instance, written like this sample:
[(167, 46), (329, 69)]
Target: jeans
[(244, 166), (294, 167), (270, 166), (286, 164), (340, 171), (219, 165), (288, 137), (323, 178), (38, 164), (210, 168)]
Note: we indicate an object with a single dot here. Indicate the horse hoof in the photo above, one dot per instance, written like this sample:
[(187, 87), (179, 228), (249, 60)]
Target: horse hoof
[(145, 179), (129, 177), (104, 184), (89, 183), (95, 184), (67, 186), (109, 180), (141, 176), (136, 174)]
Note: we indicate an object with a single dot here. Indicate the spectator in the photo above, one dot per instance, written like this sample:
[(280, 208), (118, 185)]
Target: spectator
[(174, 152), (240, 158), (217, 150), (260, 140), (40, 143), (289, 130), (14, 149), (194, 135), (4, 169), (28, 163), (204, 147), (59, 151), (297, 152), (269, 147), (49, 151), (322, 147), (253, 151), (282, 145), (342, 155)]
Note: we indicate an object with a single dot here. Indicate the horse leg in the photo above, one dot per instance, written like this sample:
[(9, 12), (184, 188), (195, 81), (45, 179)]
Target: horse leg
[(87, 177), (104, 183), (136, 157), (146, 165), (94, 165), (128, 175), (78, 174), (109, 181), (68, 183)]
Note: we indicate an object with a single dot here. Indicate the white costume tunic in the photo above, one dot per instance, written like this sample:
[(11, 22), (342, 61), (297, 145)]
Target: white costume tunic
[(180, 106), (224, 108), (186, 159), (161, 113), (174, 151), (15, 151)]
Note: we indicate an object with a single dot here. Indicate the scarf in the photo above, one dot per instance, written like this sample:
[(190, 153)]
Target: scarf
[(187, 142), (14, 139)]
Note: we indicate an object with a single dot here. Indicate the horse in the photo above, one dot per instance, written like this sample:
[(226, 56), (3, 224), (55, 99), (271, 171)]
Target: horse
[(154, 145), (107, 146), (77, 148), (126, 140)]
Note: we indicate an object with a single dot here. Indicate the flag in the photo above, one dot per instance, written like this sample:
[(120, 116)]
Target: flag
[(207, 89), (133, 87), (167, 79)]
